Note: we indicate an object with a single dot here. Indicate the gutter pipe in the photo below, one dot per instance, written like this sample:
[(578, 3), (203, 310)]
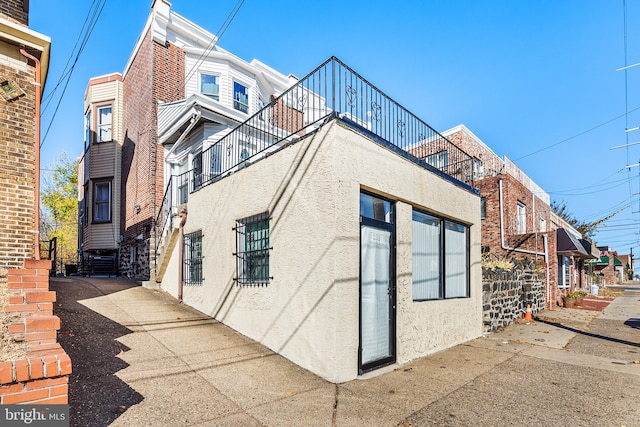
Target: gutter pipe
[(194, 120), (36, 201), (183, 220), (507, 248), (502, 244)]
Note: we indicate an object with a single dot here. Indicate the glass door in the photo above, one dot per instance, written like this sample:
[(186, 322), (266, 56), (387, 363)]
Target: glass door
[(377, 284)]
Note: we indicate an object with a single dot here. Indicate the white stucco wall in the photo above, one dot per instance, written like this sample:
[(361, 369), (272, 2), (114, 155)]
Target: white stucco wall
[(309, 312)]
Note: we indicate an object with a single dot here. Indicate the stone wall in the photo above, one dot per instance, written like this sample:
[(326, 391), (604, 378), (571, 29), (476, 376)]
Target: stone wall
[(506, 293)]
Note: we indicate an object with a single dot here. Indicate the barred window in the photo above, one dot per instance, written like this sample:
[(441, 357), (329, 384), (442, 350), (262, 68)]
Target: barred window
[(252, 242), (192, 259)]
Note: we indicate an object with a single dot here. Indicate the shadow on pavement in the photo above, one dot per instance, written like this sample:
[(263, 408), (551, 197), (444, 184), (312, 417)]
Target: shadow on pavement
[(589, 334), (633, 323), (96, 395)]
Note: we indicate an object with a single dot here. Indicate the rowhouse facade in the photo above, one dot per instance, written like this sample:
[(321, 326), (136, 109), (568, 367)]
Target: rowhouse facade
[(99, 176), (176, 77), (24, 61)]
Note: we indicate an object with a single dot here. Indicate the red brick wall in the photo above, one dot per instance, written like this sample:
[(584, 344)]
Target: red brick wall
[(608, 273), (156, 74), (286, 117), (492, 163), (17, 170), (43, 376), (512, 193)]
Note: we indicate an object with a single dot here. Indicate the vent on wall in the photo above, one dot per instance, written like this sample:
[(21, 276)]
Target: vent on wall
[(10, 91)]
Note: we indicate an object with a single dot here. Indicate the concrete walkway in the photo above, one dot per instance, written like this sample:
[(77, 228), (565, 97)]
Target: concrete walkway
[(141, 359)]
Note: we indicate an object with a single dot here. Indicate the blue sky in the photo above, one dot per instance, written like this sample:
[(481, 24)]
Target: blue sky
[(535, 80)]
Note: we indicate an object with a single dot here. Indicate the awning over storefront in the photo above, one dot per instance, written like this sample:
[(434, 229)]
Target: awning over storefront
[(592, 251), (603, 261), (568, 245)]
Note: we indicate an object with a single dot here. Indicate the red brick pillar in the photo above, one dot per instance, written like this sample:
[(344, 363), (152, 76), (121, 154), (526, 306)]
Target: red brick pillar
[(42, 376)]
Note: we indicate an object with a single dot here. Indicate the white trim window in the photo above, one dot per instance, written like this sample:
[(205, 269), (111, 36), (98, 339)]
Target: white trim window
[(438, 160), (478, 169), (241, 97), (105, 119), (564, 271), (522, 218), (210, 86), (87, 129), (102, 201)]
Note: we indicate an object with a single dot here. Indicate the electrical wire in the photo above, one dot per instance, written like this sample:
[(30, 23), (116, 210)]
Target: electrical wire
[(214, 41), (94, 20), (65, 72), (578, 134)]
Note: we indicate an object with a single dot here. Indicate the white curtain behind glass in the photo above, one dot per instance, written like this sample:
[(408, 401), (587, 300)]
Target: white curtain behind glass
[(426, 257), (455, 260), (374, 276)]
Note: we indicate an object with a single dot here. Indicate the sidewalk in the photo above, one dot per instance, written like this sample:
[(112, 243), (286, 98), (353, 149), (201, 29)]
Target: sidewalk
[(162, 363)]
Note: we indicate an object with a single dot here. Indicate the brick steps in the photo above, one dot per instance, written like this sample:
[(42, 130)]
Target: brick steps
[(41, 377)]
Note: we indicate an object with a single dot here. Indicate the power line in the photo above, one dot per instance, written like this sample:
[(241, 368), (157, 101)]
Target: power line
[(579, 134), (223, 28), (65, 72), (610, 185), (94, 19)]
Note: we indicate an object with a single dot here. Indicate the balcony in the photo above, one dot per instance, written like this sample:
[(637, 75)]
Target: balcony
[(332, 90)]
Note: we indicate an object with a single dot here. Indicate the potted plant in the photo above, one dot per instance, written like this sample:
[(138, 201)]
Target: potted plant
[(569, 300), (579, 295)]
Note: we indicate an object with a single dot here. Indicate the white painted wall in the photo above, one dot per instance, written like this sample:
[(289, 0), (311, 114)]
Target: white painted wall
[(309, 312)]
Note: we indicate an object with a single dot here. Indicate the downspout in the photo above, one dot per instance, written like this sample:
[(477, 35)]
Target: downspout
[(183, 220), (194, 120), (502, 244), (546, 261), (36, 201)]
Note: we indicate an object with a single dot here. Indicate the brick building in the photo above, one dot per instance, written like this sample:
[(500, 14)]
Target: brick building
[(518, 221), (24, 60), (174, 71), (41, 375), (610, 267)]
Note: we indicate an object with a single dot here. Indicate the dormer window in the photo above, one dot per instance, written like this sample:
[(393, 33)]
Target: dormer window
[(104, 124), (240, 97), (210, 86)]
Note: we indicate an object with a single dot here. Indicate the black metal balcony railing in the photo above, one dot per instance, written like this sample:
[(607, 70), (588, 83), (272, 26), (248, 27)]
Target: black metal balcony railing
[(331, 90), (175, 194)]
